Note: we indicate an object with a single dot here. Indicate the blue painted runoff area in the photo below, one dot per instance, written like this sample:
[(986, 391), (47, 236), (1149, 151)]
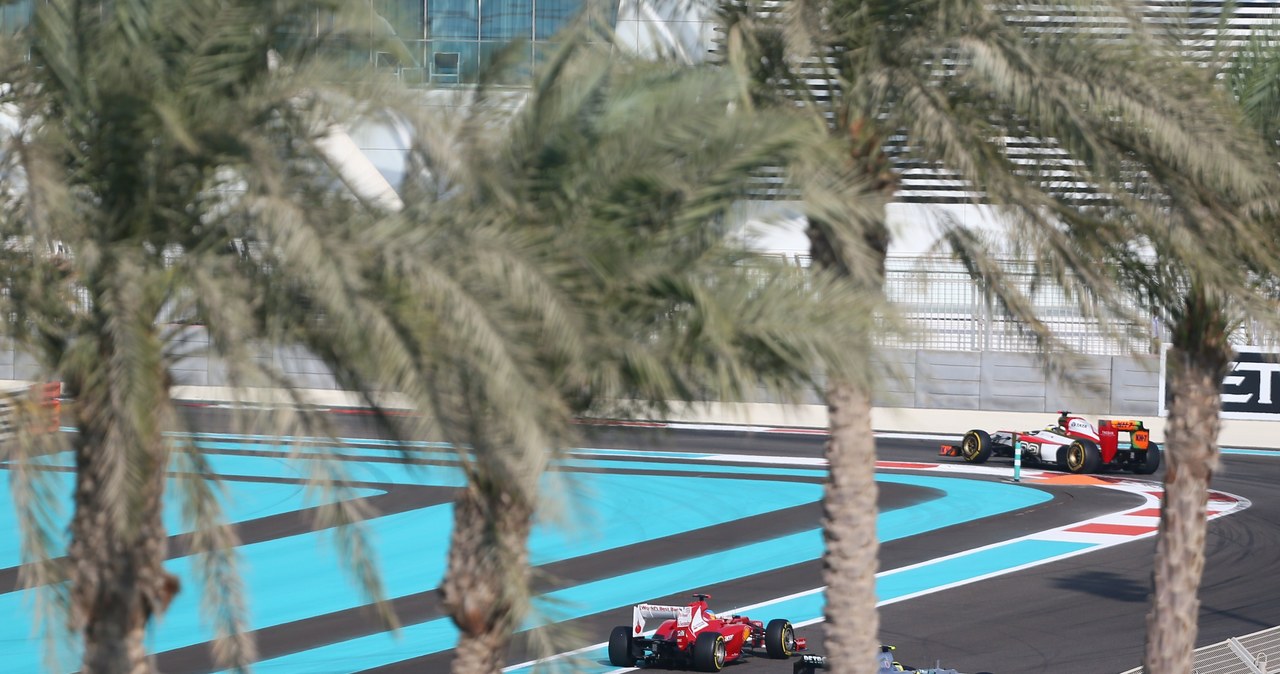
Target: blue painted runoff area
[(300, 576), (890, 585), (962, 500), (240, 501), (1251, 452), (600, 515)]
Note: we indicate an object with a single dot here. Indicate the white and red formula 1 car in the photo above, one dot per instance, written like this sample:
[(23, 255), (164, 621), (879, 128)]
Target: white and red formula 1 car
[(693, 637), (1073, 445)]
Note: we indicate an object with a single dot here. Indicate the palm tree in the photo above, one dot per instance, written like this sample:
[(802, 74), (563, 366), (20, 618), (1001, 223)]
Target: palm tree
[(1197, 362), (166, 167), (949, 81), (1201, 308), (172, 161), (625, 227), (1203, 315)]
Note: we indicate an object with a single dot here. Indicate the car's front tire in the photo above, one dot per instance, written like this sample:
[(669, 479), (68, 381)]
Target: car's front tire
[(621, 647), (709, 652), (779, 639), (976, 446)]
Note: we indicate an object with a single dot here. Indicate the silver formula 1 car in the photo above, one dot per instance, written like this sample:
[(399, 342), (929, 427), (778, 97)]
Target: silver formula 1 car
[(885, 660)]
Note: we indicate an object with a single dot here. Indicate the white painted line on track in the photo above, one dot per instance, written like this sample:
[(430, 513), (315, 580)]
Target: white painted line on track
[(765, 459), (1100, 532)]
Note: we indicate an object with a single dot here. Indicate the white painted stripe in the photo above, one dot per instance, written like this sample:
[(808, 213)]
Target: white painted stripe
[(758, 458), (1150, 492), (1081, 537)]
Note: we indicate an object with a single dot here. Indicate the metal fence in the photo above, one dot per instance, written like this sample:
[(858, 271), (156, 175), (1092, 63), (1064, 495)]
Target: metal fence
[(1238, 655), (943, 308)]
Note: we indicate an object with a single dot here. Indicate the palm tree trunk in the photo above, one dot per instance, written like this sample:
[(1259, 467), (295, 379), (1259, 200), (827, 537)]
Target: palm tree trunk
[(1191, 445), (852, 548), (849, 529), (118, 581), (486, 582)]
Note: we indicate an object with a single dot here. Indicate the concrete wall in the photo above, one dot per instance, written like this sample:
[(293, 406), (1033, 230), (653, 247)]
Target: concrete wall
[(943, 392), (922, 379), (16, 366), (1017, 382), (195, 368)]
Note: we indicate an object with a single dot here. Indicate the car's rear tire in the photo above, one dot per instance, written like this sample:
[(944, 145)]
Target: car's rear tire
[(709, 652), (779, 639), (1083, 457), (1150, 462), (621, 647), (976, 447)]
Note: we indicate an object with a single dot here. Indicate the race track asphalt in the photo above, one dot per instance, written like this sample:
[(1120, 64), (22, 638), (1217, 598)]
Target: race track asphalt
[(1087, 614), (1081, 615)]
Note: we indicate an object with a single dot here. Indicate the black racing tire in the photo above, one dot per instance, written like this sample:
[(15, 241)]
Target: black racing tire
[(976, 447), (709, 652), (1083, 457), (1149, 462), (621, 647), (1062, 458), (779, 639)]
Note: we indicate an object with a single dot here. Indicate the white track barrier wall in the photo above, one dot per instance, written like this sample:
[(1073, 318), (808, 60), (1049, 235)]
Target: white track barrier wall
[(934, 392)]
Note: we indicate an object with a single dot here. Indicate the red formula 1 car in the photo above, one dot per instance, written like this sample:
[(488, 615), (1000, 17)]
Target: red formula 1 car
[(693, 637), (1073, 445)]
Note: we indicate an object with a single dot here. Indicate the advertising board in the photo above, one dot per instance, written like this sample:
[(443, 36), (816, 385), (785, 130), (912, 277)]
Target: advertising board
[(1250, 390)]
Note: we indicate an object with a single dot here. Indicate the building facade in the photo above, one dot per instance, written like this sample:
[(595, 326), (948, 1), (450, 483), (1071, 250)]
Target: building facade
[(438, 42), (445, 42)]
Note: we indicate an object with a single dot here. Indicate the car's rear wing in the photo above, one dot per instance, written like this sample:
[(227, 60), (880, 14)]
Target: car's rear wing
[(1122, 424), (1110, 429), (685, 616)]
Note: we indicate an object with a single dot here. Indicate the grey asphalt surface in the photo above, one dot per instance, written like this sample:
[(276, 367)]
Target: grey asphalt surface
[(1083, 615)]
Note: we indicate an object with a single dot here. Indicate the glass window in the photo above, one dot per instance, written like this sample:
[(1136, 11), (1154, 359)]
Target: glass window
[(506, 20), (517, 60), (465, 36), (550, 16), (14, 16), (396, 28), (453, 19), (453, 62), (403, 17)]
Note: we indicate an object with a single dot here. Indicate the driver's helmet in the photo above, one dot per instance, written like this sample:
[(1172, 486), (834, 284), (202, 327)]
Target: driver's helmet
[(708, 614), (885, 662)]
